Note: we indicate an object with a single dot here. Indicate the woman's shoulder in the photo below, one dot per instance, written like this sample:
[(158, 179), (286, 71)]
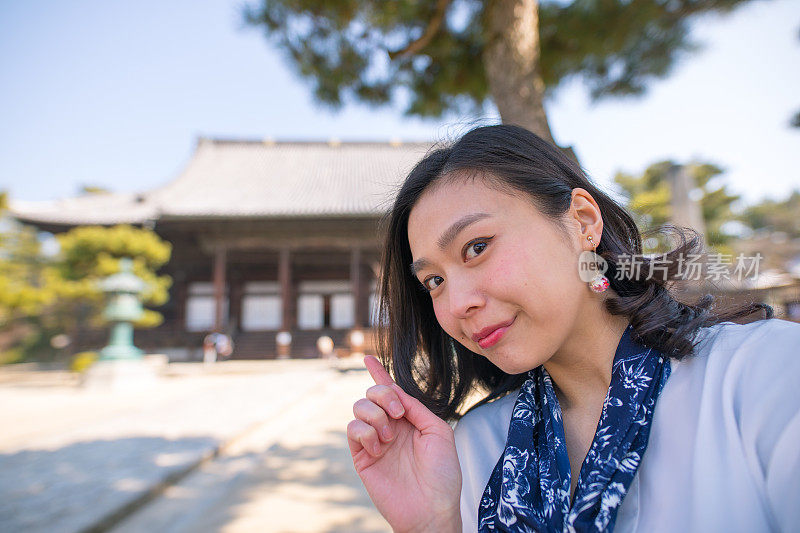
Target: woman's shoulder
[(736, 363), (759, 327), (738, 347), (750, 393)]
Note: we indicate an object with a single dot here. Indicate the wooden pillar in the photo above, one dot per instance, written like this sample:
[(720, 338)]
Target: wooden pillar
[(285, 281), (180, 294), (220, 258), (326, 311), (356, 282), (236, 293)]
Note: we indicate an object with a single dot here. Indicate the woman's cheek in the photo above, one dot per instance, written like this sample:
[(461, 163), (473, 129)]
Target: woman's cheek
[(507, 274), (448, 323), (441, 315)]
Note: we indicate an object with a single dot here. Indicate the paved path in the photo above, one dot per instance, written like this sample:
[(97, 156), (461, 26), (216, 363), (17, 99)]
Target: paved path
[(70, 458), (291, 475)]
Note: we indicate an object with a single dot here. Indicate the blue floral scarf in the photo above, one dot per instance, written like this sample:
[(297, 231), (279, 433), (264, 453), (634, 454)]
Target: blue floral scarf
[(529, 489)]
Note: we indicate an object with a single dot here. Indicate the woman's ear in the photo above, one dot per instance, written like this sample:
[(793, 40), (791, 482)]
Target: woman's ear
[(585, 211)]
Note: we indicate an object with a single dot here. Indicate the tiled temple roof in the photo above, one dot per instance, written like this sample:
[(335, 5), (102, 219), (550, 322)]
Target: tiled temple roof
[(230, 179)]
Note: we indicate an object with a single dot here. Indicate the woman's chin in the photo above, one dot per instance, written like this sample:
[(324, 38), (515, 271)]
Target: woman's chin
[(509, 364)]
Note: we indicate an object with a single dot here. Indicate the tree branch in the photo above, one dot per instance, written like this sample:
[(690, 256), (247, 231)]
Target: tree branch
[(433, 27)]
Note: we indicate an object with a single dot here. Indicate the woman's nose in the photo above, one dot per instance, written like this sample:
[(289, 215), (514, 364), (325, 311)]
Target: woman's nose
[(464, 298)]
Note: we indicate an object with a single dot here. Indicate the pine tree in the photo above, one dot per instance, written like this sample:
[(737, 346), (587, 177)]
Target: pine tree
[(648, 197), (457, 55)]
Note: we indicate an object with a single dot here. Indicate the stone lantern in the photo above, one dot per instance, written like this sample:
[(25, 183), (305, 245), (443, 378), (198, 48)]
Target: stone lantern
[(124, 306)]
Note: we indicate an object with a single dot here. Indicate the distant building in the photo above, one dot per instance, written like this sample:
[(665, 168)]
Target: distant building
[(267, 237), (282, 236)]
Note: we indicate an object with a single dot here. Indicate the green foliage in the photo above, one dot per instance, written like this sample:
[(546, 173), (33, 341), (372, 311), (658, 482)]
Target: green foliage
[(772, 215), (42, 296), (354, 49), (617, 46), (649, 198), (91, 253), (81, 361), (21, 294), (92, 189), (715, 205), (11, 355)]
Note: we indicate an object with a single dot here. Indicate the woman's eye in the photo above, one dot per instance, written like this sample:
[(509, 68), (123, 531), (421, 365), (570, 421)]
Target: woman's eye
[(475, 249), (432, 282)]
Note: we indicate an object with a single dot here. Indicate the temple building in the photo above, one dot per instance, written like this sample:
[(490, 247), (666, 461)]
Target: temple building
[(273, 237), (267, 237)]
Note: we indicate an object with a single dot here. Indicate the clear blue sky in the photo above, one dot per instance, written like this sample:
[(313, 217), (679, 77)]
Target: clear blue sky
[(114, 94)]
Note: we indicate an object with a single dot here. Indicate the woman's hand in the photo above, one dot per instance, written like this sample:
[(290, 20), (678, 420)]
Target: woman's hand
[(406, 457)]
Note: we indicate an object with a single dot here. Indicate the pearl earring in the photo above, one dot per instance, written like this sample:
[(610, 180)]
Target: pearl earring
[(599, 283)]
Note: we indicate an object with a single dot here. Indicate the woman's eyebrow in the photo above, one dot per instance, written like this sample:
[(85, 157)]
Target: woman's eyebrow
[(447, 237), (418, 265), (458, 226)]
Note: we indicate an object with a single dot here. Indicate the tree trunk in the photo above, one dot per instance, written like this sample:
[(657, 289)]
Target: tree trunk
[(511, 62)]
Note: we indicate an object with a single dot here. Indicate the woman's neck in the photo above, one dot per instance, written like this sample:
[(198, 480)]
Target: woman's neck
[(581, 369)]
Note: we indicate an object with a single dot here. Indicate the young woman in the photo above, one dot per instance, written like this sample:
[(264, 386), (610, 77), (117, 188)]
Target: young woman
[(610, 405)]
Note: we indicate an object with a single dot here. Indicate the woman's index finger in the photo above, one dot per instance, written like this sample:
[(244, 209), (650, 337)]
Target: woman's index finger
[(376, 370)]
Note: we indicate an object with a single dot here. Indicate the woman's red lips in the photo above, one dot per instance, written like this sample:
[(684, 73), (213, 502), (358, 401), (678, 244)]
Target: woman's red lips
[(489, 336)]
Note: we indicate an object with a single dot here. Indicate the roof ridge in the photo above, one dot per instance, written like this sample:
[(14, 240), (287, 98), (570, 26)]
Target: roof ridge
[(333, 142), (249, 178)]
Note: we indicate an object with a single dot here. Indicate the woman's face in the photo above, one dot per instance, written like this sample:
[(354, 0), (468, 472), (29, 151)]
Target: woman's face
[(502, 277)]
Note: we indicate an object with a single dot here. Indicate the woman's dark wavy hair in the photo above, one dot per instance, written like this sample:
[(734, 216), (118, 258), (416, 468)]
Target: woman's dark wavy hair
[(439, 371)]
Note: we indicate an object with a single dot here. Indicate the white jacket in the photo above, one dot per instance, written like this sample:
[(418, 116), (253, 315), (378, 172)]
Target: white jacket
[(724, 448)]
